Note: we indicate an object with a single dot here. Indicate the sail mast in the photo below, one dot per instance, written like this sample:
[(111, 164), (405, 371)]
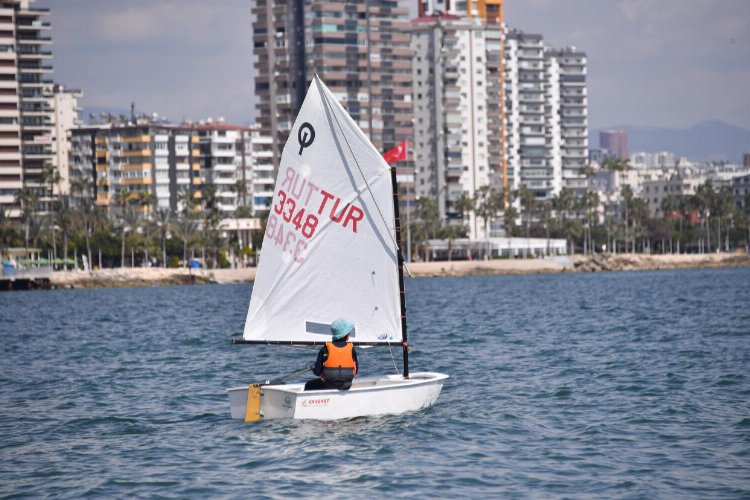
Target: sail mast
[(402, 293)]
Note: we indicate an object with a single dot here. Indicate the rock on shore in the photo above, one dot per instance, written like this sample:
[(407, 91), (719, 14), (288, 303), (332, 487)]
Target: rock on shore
[(125, 277)]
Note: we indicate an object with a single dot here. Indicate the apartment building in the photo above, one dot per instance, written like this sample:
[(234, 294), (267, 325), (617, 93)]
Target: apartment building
[(172, 164), (360, 50), (66, 114), (453, 125), (568, 86), (226, 163), (26, 122), (655, 191), (459, 139), (149, 162)]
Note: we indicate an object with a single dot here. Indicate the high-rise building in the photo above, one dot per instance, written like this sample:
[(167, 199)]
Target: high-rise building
[(360, 50), (65, 116), (26, 122), (569, 85), (453, 110), (615, 142), (458, 134), (746, 160)]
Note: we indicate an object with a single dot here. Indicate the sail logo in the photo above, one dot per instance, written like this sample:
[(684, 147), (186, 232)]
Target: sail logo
[(315, 402), (383, 336)]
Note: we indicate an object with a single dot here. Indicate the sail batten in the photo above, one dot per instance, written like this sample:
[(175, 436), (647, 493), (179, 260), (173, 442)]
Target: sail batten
[(329, 248)]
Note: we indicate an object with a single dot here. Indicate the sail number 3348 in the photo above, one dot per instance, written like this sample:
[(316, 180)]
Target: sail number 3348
[(305, 223)]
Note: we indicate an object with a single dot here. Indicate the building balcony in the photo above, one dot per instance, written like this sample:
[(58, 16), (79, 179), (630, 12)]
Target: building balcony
[(29, 56), (136, 152), (224, 168), (142, 181), (136, 138)]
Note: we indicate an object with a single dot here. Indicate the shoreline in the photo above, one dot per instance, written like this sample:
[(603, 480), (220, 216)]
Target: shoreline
[(129, 277)]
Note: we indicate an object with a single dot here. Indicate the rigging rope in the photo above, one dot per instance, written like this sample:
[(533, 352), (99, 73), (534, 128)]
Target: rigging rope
[(341, 129)]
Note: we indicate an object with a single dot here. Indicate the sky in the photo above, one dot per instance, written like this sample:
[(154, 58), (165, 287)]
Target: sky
[(654, 63)]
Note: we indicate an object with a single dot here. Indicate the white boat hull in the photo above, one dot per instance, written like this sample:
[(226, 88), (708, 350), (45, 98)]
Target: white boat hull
[(391, 394)]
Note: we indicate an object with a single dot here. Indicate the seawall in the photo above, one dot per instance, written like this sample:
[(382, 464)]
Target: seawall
[(126, 277)]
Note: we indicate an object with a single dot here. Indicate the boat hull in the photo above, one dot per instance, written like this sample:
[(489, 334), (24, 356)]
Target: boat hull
[(368, 396)]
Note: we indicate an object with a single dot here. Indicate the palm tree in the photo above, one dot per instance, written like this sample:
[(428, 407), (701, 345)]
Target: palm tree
[(186, 230), (465, 205), (64, 219), (28, 201), (129, 222), (722, 207), (488, 203), (186, 199), (705, 201), (164, 224), (591, 206), (627, 201), (50, 177), (528, 202), (616, 164), (563, 204), (427, 223), (545, 217), (6, 229)]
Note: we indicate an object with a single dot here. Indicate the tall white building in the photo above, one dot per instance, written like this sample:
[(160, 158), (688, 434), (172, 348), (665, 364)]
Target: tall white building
[(570, 83), (26, 126), (65, 117), (458, 136), (451, 132)]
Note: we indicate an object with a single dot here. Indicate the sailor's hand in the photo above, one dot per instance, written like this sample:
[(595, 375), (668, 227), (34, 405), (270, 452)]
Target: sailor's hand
[(312, 366)]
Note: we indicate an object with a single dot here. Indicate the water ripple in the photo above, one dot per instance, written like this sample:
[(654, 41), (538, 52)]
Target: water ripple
[(586, 385)]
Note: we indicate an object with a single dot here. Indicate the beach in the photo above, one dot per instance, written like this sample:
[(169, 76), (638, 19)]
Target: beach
[(142, 276)]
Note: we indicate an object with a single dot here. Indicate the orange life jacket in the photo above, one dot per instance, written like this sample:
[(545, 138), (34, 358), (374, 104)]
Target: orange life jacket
[(340, 357)]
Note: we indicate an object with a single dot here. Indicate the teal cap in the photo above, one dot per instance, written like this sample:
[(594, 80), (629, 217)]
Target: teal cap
[(341, 327)]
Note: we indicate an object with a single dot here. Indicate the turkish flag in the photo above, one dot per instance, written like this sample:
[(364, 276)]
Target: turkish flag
[(396, 154)]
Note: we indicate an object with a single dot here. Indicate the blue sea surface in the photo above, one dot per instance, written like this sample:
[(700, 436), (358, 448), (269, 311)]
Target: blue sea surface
[(627, 385)]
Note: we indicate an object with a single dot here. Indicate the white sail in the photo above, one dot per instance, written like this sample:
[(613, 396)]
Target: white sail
[(329, 249)]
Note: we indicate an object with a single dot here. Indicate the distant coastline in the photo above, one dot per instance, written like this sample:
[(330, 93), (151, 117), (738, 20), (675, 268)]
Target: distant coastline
[(128, 277)]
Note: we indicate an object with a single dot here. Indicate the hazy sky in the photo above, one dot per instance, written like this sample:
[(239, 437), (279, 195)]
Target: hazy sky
[(669, 63)]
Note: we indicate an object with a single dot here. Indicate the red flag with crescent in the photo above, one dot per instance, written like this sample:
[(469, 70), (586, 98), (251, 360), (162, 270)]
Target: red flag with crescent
[(396, 154)]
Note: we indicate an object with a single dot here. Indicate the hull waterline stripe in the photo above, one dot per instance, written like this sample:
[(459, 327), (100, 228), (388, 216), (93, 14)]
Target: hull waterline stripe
[(310, 342)]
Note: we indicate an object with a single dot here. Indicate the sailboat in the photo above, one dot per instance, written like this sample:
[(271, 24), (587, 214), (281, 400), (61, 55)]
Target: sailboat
[(331, 249)]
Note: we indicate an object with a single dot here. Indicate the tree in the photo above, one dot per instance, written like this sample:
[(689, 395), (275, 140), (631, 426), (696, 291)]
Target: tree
[(163, 220), (590, 205), (616, 164), (187, 200), (129, 222), (27, 200), (564, 203), (488, 203), (427, 223), (627, 200), (528, 202), (186, 230), (465, 205), (704, 202)]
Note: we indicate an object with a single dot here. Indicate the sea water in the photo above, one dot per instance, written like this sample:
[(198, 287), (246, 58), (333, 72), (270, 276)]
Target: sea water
[(633, 384)]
